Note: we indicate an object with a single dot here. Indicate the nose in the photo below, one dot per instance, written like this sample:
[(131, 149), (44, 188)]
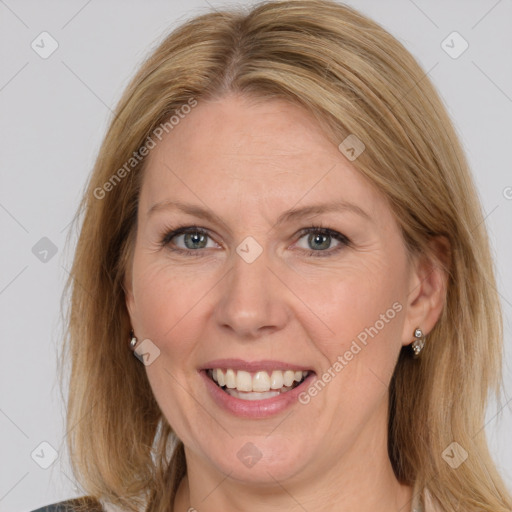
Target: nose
[(252, 299)]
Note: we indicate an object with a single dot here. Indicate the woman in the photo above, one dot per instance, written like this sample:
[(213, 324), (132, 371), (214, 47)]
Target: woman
[(282, 226)]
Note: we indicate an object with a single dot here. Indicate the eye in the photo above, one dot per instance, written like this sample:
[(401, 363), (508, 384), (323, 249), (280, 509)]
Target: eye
[(320, 239), (194, 238)]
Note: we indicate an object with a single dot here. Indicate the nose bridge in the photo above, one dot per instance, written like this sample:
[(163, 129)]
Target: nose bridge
[(252, 298)]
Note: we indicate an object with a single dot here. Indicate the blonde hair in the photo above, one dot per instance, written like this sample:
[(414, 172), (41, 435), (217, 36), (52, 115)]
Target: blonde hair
[(356, 79)]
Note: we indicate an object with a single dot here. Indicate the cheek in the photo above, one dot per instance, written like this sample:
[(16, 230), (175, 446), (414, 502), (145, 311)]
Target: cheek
[(166, 300), (360, 301), (168, 306), (365, 317), (363, 311)]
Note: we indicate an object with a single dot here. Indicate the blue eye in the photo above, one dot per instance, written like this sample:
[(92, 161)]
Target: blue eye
[(321, 238), (196, 238)]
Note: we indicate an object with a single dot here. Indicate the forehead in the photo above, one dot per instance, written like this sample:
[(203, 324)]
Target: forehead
[(237, 151)]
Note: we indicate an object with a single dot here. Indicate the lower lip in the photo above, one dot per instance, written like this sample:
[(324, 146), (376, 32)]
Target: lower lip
[(254, 408)]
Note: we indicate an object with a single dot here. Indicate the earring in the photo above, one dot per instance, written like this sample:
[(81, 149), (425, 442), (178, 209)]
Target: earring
[(418, 344), (133, 340)]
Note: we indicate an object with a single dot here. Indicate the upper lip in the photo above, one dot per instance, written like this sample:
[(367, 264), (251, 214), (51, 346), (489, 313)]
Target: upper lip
[(253, 366)]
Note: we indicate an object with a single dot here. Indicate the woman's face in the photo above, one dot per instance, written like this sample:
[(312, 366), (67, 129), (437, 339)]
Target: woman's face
[(253, 294)]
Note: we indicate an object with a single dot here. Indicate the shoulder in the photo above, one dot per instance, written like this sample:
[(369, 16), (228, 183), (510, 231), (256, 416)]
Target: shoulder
[(82, 504)]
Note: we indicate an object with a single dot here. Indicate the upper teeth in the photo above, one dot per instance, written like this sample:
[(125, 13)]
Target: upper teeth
[(261, 381)]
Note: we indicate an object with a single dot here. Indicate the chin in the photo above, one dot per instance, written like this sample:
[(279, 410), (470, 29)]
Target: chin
[(262, 459)]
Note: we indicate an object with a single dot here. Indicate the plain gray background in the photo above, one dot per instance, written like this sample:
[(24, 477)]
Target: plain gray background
[(54, 112)]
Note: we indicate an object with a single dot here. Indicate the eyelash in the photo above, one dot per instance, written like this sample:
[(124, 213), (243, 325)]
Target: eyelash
[(184, 229)]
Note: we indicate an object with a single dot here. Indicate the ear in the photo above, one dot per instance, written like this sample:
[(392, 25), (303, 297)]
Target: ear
[(428, 284)]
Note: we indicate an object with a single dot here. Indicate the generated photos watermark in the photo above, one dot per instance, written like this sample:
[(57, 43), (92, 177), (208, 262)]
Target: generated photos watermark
[(144, 150), (344, 359)]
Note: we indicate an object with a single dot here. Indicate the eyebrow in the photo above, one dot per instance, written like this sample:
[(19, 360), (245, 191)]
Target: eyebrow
[(287, 216)]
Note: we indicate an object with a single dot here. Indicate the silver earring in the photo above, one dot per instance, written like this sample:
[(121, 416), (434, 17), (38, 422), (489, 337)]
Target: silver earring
[(419, 342), (133, 340)]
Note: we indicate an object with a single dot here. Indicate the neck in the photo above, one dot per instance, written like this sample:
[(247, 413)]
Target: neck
[(395, 497)]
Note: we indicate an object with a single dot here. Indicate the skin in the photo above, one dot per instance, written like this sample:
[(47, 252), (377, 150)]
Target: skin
[(248, 161)]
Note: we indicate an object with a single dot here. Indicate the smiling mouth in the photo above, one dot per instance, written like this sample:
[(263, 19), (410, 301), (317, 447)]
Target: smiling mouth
[(258, 385)]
